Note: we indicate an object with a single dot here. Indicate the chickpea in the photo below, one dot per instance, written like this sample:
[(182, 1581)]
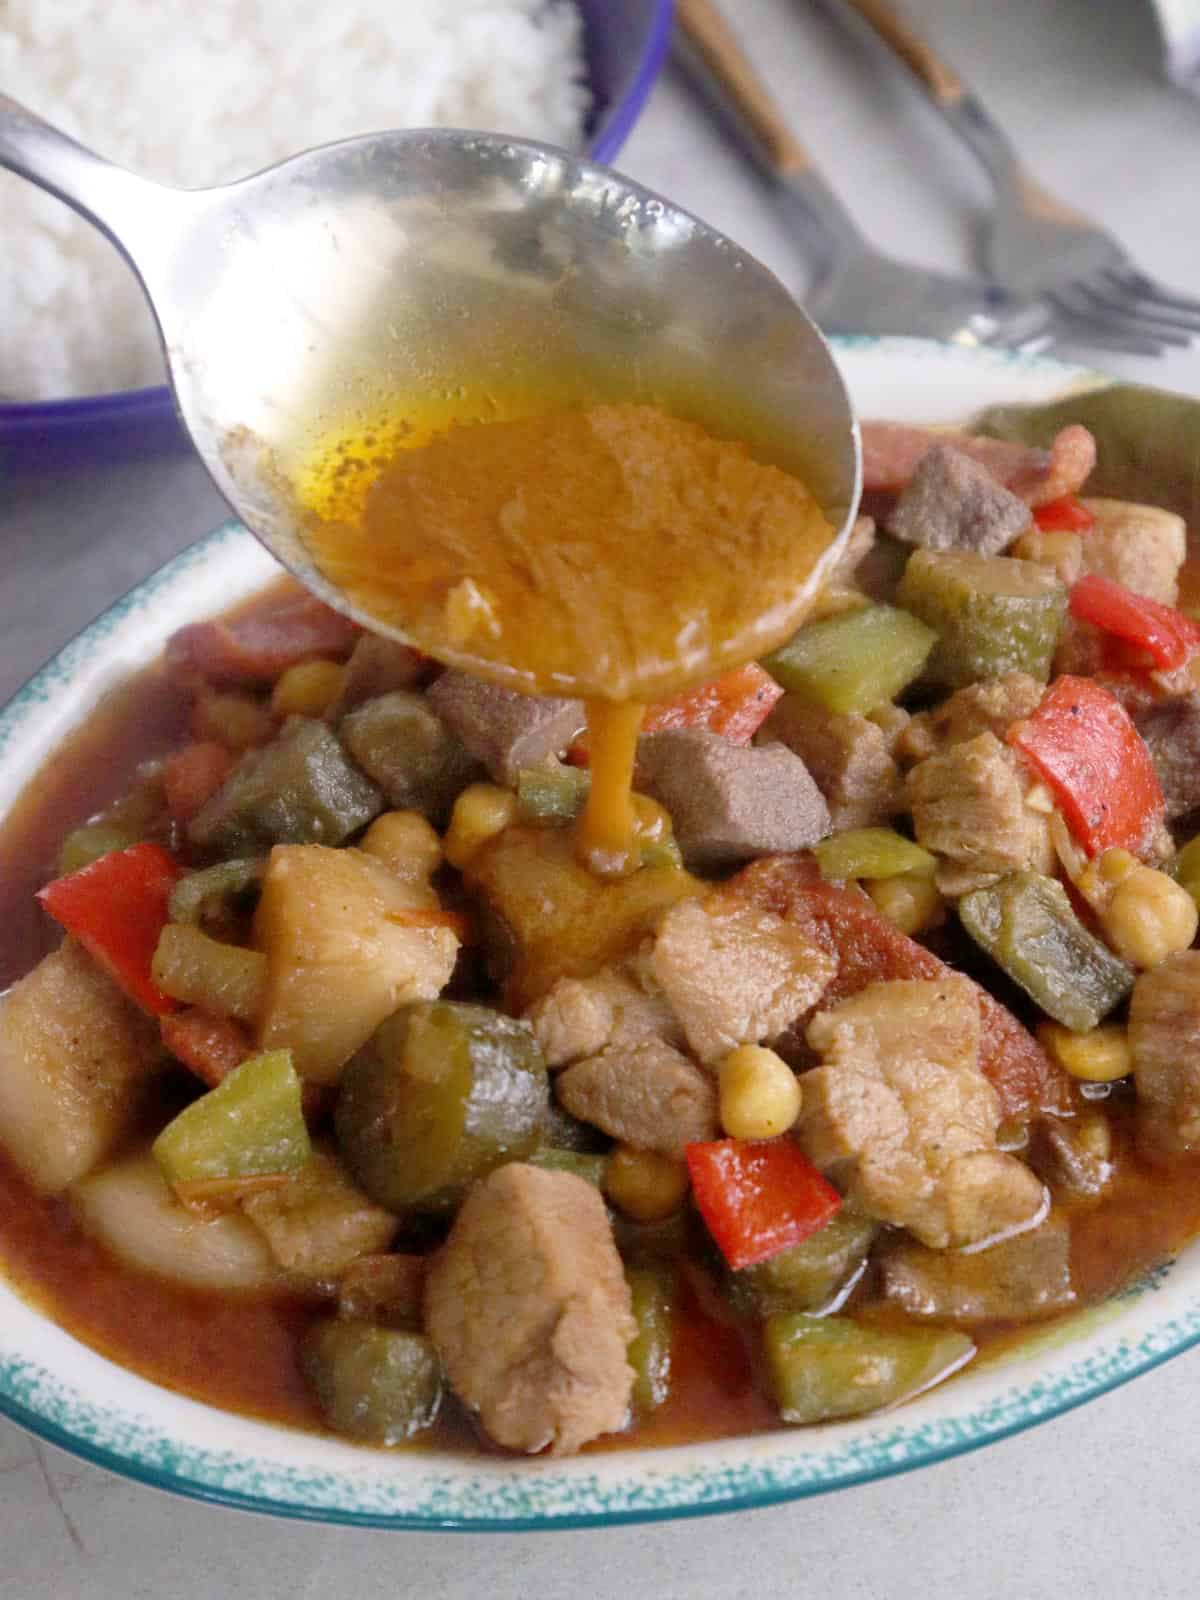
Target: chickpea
[(1057, 549), (1101, 1056), (481, 812), (308, 689), (911, 900), (406, 844), (646, 1186), (759, 1094), (1149, 917)]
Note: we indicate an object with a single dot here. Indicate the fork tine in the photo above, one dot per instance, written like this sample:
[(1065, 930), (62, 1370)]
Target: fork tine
[(1159, 324), (1136, 282), (1185, 314), (1082, 332), (1079, 302)]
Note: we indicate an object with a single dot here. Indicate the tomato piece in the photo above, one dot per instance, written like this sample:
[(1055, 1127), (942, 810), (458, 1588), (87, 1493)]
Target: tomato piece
[(758, 1197), (1081, 741), (870, 949), (1167, 636), (1065, 515), (116, 908)]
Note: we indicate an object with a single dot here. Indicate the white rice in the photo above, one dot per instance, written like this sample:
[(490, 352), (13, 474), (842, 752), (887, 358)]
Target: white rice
[(197, 92)]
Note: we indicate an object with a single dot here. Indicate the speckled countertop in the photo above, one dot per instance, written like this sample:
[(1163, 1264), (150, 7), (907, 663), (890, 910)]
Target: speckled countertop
[(1098, 1503)]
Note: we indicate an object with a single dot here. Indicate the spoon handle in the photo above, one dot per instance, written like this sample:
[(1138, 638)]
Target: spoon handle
[(118, 203)]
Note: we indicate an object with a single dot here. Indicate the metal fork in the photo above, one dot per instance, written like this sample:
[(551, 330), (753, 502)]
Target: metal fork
[(856, 288), (1034, 242)]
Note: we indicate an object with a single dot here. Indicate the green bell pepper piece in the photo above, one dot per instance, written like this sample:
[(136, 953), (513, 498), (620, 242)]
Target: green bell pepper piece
[(992, 614), (199, 896), (855, 661), (378, 1385), (88, 843), (808, 1276), (440, 1095), (1026, 923), (250, 1125), (871, 853), (826, 1367), (652, 1290), (551, 793)]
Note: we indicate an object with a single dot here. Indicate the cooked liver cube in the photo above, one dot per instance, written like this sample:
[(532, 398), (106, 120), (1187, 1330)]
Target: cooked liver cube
[(504, 730), (1018, 1279), (646, 1094), (377, 666), (581, 1016), (848, 756), (299, 789), (74, 1057), (734, 974), (729, 803), (1164, 1035), (1172, 733), (528, 1306), (953, 503), (902, 1116)]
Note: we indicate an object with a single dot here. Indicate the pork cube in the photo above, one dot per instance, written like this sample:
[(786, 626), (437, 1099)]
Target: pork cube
[(734, 974), (528, 1306), (646, 1094), (1139, 547), (988, 707), (901, 1114), (968, 805), (319, 1221), (729, 803), (1164, 1036), (582, 1016), (848, 756), (75, 1055), (953, 503), (504, 730)]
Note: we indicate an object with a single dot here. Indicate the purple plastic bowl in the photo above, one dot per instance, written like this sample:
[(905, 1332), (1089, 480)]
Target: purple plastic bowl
[(626, 42)]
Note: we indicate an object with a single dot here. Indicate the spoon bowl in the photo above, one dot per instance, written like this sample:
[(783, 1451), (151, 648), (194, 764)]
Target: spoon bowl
[(412, 279)]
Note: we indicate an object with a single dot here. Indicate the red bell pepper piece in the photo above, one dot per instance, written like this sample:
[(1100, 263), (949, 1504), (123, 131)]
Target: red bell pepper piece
[(1065, 515), (757, 1197), (1082, 742), (1166, 635), (870, 949), (735, 705), (116, 908)]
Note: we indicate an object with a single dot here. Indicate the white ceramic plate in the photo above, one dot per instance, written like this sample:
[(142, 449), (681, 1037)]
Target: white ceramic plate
[(63, 1391)]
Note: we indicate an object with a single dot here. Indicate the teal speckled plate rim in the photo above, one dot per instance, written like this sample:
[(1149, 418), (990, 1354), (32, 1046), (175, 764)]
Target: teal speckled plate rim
[(72, 1397)]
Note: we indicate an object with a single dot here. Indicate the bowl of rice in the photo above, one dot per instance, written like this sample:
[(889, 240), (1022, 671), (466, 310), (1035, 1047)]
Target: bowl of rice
[(194, 98)]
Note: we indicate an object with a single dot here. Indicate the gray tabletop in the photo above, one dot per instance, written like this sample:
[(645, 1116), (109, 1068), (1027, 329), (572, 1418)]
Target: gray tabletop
[(1100, 1502)]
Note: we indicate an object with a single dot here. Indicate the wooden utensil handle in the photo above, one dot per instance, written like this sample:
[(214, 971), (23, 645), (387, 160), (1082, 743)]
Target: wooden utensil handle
[(716, 44), (938, 76)]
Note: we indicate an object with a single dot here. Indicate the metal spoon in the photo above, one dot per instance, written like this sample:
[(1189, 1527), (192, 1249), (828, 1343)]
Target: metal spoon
[(307, 298)]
